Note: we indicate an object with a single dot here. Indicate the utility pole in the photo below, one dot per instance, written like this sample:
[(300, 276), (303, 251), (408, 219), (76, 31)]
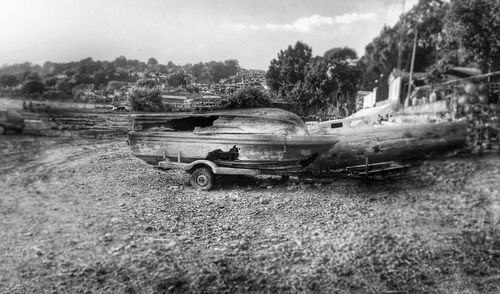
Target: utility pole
[(401, 34)]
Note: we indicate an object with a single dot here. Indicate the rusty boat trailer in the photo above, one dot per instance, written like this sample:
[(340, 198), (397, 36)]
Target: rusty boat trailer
[(202, 171)]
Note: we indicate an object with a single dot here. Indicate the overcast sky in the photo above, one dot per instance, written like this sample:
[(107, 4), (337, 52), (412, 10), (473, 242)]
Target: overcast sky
[(186, 31)]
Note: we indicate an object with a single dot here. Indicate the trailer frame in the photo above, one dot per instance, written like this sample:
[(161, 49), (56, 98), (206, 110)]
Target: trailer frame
[(202, 172)]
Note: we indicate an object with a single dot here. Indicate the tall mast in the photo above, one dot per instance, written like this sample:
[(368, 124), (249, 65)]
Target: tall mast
[(401, 34), (410, 81)]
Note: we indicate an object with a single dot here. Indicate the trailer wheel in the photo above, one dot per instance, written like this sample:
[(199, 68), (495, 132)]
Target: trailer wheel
[(202, 179), (285, 178)]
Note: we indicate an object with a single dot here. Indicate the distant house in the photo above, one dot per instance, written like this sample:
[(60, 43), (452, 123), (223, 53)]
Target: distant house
[(208, 102), (176, 102), (211, 97)]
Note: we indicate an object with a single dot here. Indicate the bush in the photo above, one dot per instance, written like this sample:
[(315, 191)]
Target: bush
[(9, 81), (145, 96), (249, 98), (63, 86), (33, 87)]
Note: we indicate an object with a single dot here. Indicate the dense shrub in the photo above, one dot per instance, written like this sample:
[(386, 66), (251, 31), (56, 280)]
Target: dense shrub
[(145, 96), (32, 86), (249, 98), (63, 86), (9, 80)]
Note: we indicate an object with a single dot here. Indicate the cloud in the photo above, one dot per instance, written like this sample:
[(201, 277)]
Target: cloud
[(349, 18), (305, 24)]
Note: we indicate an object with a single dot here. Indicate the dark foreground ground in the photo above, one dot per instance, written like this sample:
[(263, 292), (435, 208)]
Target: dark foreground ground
[(79, 214)]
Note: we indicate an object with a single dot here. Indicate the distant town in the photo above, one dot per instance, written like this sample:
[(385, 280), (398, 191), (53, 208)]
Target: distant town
[(92, 81)]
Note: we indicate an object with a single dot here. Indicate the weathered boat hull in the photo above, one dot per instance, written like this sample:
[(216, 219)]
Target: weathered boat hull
[(391, 143), (263, 152)]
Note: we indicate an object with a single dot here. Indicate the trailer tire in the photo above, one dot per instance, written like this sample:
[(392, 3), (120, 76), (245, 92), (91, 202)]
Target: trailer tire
[(285, 179), (202, 178)]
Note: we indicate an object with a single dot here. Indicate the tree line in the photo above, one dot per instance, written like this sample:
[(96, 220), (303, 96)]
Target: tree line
[(315, 84), (65, 76)]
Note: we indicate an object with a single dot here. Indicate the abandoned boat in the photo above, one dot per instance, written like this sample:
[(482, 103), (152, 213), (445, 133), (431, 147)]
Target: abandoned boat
[(273, 141), (387, 141)]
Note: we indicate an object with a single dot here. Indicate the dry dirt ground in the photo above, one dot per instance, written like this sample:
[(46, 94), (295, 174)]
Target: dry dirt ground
[(81, 215)]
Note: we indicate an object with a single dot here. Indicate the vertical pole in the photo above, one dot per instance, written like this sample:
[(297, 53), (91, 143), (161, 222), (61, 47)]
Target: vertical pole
[(410, 81), (179, 155), (400, 45)]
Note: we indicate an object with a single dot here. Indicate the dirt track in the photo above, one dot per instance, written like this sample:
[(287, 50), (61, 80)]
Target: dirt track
[(81, 215)]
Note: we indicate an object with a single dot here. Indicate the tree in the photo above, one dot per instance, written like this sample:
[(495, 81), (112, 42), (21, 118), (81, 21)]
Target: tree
[(162, 68), (198, 69), (288, 69), (50, 82), (87, 66), (136, 65), (381, 55), (69, 72), (63, 86), (145, 96), (83, 79), (249, 98), (220, 70), (49, 68), (32, 76), (316, 84), (32, 86), (79, 90), (99, 78), (121, 61), (473, 33), (19, 69), (340, 54), (152, 62), (177, 79), (346, 79), (215, 70), (120, 75), (9, 80), (231, 67), (171, 66), (329, 83)]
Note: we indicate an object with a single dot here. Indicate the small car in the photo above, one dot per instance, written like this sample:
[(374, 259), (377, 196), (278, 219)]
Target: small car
[(11, 120)]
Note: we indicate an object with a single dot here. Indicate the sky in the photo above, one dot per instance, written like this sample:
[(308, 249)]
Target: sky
[(186, 31)]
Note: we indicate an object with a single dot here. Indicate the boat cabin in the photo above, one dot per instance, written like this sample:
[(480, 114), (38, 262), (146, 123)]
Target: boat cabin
[(246, 121)]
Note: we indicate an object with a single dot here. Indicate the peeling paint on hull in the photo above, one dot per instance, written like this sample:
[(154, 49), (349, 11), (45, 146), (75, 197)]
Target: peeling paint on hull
[(270, 152), (391, 143)]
